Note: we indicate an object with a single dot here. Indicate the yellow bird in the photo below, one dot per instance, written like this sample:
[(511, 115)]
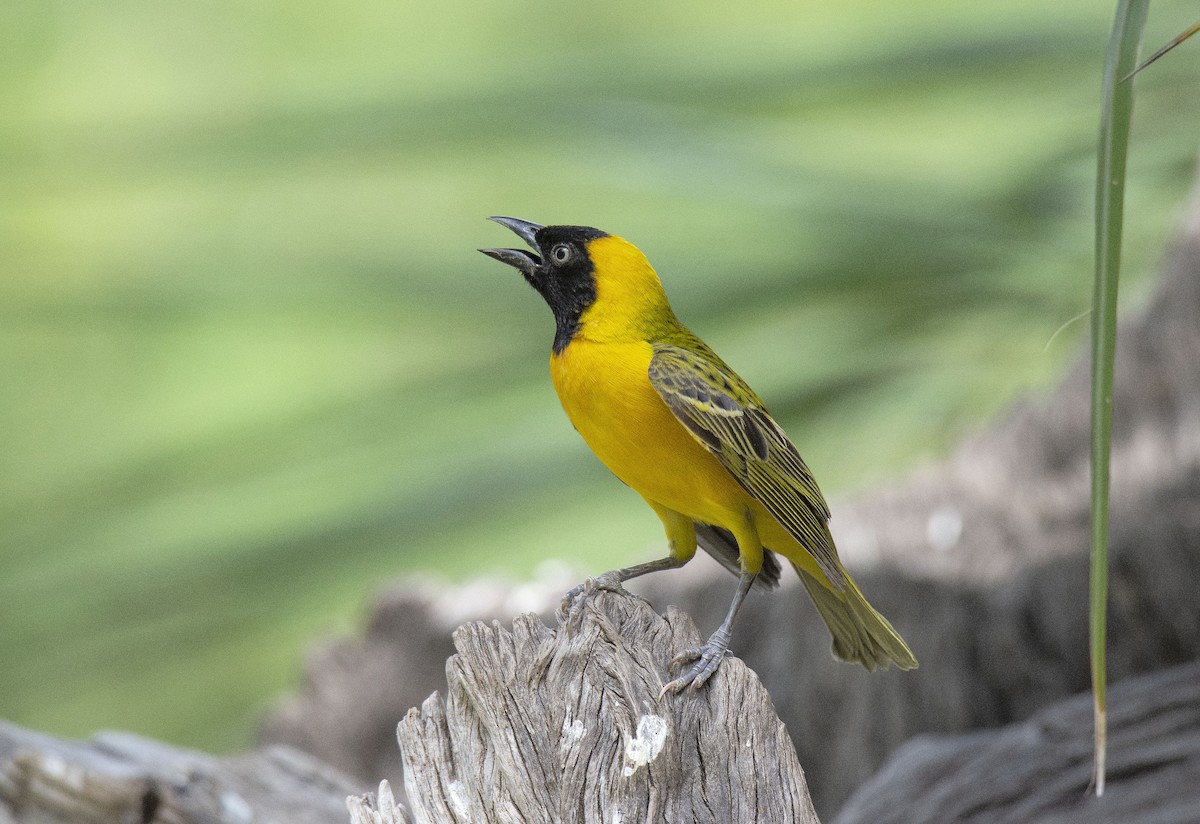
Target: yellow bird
[(671, 420)]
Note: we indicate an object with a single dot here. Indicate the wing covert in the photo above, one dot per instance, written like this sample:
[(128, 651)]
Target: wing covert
[(728, 419)]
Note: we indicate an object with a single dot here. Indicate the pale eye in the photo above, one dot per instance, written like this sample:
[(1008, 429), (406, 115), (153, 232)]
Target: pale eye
[(561, 253)]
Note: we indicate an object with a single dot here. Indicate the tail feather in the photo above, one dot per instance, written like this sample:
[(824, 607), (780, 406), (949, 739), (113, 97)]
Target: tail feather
[(860, 634)]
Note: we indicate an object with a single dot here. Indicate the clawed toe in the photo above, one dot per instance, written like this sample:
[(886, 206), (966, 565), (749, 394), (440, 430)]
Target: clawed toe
[(578, 595), (685, 657), (572, 595), (608, 582), (707, 658)]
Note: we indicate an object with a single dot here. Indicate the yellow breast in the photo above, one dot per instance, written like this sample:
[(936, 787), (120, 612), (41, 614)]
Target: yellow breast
[(606, 392)]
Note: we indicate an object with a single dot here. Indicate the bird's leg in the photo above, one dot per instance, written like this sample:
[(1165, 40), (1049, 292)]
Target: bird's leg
[(708, 657), (681, 538), (611, 581)]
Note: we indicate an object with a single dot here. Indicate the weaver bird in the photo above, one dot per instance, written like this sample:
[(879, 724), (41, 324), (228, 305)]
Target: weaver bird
[(676, 424)]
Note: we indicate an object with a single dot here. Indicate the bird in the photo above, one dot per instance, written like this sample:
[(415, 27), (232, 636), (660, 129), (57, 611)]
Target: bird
[(672, 421)]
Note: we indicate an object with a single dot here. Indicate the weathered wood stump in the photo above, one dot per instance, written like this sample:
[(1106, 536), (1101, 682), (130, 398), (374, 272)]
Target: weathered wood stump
[(543, 725)]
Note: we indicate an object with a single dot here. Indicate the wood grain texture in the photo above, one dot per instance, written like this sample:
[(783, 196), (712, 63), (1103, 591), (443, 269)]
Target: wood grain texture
[(1039, 770), (543, 725), (118, 778), (377, 808)]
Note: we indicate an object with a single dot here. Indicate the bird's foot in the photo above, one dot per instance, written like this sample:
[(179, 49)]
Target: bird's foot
[(707, 658), (575, 598)]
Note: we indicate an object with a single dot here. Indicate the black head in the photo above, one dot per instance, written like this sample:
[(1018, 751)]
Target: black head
[(559, 268)]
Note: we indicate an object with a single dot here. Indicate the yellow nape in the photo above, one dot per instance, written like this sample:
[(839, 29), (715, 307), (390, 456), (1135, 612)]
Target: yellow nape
[(630, 301)]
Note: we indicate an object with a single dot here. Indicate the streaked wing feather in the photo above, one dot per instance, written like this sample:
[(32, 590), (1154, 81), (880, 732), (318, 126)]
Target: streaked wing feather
[(701, 392)]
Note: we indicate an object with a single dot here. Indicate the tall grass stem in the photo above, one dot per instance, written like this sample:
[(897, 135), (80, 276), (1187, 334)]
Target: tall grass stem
[(1116, 114)]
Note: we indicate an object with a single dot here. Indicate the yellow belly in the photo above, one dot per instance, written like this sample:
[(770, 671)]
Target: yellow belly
[(606, 392)]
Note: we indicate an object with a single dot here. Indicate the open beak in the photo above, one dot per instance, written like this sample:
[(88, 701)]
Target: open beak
[(520, 259)]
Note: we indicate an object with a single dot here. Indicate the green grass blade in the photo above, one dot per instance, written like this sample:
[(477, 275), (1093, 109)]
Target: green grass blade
[(1110, 195), (1184, 35)]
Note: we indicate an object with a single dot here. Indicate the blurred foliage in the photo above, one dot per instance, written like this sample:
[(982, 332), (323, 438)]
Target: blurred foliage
[(252, 366)]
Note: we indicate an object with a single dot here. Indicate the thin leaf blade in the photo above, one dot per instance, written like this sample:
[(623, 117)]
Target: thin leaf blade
[(1116, 116)]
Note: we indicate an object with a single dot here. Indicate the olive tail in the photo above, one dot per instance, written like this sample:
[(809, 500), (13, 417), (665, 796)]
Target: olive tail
[(860, 634)]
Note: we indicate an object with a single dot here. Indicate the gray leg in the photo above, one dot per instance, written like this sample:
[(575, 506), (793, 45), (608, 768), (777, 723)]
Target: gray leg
[(612, 581), (709, 656)]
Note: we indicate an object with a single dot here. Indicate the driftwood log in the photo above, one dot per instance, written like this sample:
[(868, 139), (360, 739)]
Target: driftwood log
[(118, 778), (979, 560), (1039, 770)]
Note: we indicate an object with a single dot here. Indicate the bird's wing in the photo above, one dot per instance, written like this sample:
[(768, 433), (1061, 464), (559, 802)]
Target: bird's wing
[(726, 417)]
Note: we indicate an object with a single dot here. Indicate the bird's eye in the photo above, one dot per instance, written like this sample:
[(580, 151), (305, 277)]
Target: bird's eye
[(561, 253)]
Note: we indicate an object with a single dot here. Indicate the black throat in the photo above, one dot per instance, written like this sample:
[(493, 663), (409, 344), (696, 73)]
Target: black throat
[(568, 301), (568, 288)]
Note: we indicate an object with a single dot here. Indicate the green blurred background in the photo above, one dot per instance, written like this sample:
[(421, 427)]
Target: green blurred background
[(253, 367)]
